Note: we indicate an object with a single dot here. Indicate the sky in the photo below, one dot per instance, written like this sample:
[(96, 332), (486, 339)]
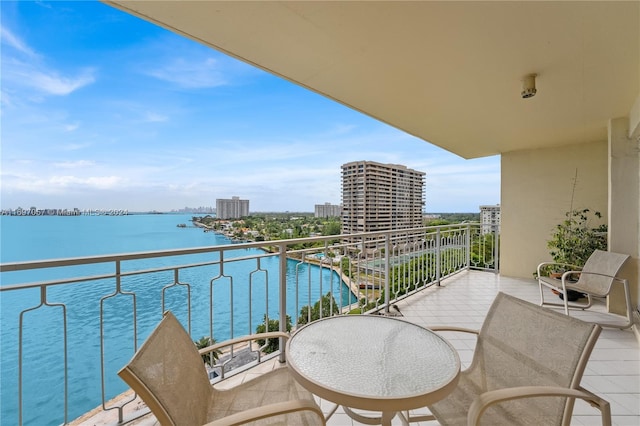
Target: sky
[(102, 110)]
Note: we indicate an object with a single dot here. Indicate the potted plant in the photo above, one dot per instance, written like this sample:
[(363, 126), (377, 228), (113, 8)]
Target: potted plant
[(573, 241)]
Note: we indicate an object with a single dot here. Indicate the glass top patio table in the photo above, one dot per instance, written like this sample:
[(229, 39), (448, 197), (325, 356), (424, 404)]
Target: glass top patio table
[(373, 362)]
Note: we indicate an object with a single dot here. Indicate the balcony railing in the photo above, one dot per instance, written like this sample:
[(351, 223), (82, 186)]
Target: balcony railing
[(68, 325)]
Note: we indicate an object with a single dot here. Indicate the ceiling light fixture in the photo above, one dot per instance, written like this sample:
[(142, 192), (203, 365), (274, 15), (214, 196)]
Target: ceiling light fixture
[(529, 86)]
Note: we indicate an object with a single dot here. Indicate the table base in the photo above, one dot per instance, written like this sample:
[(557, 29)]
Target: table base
[(386, 417)]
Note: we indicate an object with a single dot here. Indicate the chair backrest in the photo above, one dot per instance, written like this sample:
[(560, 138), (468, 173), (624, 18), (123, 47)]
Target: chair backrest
[(168, 373), (601, 262), (522, 344)]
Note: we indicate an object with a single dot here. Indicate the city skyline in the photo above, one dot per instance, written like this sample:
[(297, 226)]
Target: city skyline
[(101, 110)]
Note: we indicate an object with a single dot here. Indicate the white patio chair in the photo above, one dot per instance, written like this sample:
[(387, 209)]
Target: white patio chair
[(526, 369), (596, 279), (169, 375)]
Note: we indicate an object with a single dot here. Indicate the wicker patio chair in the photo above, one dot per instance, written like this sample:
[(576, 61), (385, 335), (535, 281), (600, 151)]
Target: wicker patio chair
[(526, 369), (596, 279), (168, 373)]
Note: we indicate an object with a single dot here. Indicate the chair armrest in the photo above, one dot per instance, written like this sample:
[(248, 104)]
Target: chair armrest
[(263, 336), (453, 328), (270, 411), (575, 268), (613, 277), (483, 401)]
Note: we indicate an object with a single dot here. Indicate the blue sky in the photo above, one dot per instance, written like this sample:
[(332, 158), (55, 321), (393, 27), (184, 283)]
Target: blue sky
[(101, 110)]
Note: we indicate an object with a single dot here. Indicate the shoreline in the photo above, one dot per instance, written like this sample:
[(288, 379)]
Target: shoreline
[(353, 288)]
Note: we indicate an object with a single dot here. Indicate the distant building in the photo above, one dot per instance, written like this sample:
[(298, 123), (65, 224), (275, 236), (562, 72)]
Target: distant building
[(490, 218), (328, 210), (378, 197), (234, 208), (201, 210)]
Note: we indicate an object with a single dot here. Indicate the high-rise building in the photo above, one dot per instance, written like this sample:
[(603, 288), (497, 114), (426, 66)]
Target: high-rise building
[(328, 210), (234, 208), (490, 218), (377, 197)]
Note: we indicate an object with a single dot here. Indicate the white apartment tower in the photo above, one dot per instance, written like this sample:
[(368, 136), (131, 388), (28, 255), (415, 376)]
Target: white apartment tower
[(377, 197), (327, 210), (490, 218), (234, 208)]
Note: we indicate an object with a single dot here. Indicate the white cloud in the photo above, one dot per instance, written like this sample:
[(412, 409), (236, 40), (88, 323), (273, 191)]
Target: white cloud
[(74, 146), (152, 117), (190, 65), (6, 100), (24, 67), (74, 164), (18, 74), (235, 152), (10, 39), (71, 127), (53, 84), (191, 74), (97, 182), (63, 184)]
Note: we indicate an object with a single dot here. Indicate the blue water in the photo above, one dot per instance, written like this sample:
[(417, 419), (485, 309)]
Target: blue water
[(54, 237)]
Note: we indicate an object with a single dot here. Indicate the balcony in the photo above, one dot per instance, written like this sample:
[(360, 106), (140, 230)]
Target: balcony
[(435, 275), (613, 371)]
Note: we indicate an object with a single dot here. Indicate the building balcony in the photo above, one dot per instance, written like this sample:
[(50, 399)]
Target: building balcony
[(433, 276), (613, 371)]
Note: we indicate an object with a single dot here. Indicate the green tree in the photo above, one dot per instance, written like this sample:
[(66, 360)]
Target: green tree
[(326, 306), (274, 325), (436, 222), (331, 227), (482, 249), (345, 265)]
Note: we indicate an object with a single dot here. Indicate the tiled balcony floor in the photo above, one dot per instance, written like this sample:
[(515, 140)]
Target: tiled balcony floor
[(613, 371)]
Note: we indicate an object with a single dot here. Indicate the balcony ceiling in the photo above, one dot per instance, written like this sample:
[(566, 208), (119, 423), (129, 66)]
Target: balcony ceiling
[(446, 72)]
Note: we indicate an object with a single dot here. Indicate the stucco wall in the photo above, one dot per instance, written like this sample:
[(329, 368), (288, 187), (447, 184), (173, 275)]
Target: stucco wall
[(624, 214), (536, 188)]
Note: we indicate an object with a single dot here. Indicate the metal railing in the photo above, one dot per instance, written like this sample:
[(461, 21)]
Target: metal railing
[(73, 315)]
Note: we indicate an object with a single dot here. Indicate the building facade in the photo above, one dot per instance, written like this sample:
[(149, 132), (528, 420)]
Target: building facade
[(328, 210), (377, 197), (490, 218), (233, 208)]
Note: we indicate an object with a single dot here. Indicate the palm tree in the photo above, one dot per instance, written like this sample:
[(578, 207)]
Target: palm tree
[(209, 357)]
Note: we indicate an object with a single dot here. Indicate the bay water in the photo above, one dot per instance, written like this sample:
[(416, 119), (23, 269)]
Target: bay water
[(77, 307)]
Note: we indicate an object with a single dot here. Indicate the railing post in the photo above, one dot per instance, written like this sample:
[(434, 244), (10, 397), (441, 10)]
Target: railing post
[(387, 265), (468, 242), (282, 281), (496, 250), (438, 257)]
